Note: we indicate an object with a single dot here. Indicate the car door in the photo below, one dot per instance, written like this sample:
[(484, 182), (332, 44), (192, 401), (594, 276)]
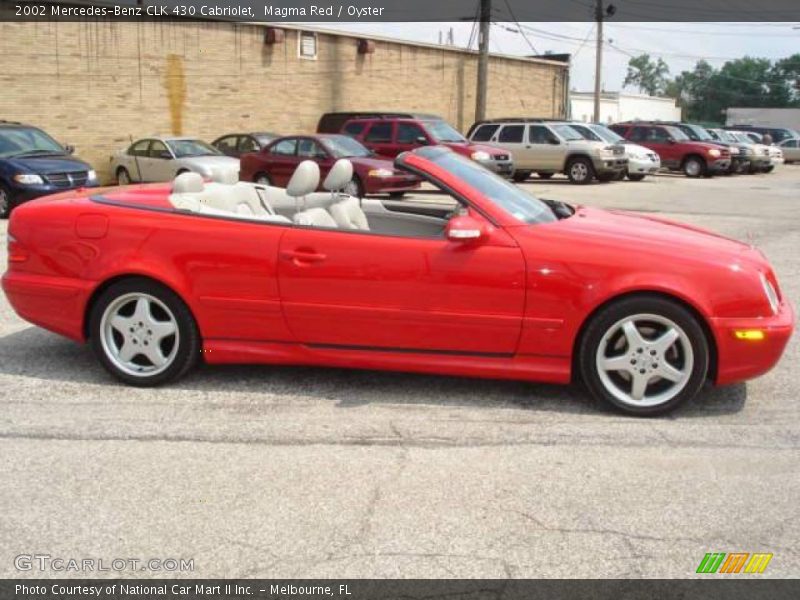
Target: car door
[(361, 290), (545, 149), (137, 154), (281, 161), (228, 145), (409, 136), (379, 138), (666, 147), (791, 150), (512, 138), (246, 145), (160, 163)]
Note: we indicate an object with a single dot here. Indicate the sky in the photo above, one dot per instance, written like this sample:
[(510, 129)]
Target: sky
[(681, 45)]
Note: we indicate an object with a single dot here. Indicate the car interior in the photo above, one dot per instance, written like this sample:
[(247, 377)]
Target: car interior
[(300, 203)]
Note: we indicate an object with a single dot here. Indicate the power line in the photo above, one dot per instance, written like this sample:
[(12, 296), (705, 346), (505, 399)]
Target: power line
[(525, 37)]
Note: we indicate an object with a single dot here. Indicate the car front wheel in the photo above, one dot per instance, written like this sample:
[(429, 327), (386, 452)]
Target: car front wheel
[(644, 355), (123, 177), (580, 171), (143, 333), (694, 166)]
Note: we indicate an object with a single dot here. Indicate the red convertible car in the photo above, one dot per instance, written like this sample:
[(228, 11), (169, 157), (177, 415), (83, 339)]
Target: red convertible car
[(497, 284), (275, 164)]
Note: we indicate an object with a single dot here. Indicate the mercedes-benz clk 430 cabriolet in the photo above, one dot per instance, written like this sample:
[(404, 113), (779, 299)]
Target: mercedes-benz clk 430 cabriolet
[(491, 282)]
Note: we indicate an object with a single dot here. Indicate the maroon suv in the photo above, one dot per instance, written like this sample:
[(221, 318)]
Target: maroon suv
[(389, 134), (677, 151)]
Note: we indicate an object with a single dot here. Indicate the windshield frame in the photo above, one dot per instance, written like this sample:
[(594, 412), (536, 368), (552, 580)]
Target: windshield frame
[(330, 143), (478, 179), (57, 149), (429, 124), (201, 143), (563, 130), (602, 130)]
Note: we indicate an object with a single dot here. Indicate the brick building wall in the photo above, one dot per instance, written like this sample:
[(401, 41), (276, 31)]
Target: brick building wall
[(95, 83)]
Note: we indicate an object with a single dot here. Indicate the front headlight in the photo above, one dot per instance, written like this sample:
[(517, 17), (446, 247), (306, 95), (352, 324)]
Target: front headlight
[(380, 173), (714, 152), (92, 175), (28, 179), (772, 295), (480, 155)]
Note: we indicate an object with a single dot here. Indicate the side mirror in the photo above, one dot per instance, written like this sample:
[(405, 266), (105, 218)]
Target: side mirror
[(464, 229), (69, 148), (422, 140), (553, 141)]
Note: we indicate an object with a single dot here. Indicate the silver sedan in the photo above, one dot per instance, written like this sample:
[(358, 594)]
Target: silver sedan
[(163, 158), (791, 150)]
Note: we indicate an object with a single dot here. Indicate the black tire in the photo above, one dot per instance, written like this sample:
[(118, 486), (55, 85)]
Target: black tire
[(694, 166), (608, 318), (580, 170), (545, 175), (123, 177), (621, 175), (355, 187), (769, 169), (635, 176), (396, 195), (262, 179), (188, 339), (520, 176), (6, 202)]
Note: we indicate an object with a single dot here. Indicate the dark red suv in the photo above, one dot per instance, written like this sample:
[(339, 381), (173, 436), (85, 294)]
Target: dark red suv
[(389, 134), (677, 151)]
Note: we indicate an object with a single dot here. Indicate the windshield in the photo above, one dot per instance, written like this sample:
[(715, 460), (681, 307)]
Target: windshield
[(742, 137), (186, 148), (607, 135), (442, 132), (676, 133), (511, 198), (567, 132), (587, 133), (27, 142), (342, 146), (696, 132)]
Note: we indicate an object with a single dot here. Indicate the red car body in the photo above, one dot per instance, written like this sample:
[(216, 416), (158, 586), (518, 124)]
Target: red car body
[(511, 305), (390, 136), (279, 166)]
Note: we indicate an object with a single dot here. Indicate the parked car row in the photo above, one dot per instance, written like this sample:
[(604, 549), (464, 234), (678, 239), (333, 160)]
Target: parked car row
[(33, 164)]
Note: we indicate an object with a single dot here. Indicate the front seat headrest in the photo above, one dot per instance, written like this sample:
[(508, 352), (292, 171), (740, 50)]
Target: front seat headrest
[(188, 183), (339, 176), (305, 179)]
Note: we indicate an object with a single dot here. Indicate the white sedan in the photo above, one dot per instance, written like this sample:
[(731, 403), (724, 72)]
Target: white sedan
[(641, 161), (164, 158), (791, 150)]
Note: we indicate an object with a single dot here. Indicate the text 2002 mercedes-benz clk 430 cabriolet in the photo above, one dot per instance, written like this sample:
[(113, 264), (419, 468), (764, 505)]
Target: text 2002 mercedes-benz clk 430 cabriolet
[(494, 284)]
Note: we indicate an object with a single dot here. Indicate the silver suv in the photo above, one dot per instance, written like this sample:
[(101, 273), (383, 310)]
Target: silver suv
[(549, 147)]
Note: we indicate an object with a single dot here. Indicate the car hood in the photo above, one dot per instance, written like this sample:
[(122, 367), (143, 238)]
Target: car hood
[(49, 164), (372, 162), (650, 236)]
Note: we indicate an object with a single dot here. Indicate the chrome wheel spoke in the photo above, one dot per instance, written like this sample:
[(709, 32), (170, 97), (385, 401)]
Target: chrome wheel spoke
[(639, 386), (128, 350), (632, 335), (663, 343), (154, 355), (617, 363), (162, 329), (667, 371)]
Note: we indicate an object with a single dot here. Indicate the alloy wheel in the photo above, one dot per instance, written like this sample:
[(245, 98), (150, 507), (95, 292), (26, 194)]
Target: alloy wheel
[(140, 334), (579, 171), (644, 360), (123, 178)]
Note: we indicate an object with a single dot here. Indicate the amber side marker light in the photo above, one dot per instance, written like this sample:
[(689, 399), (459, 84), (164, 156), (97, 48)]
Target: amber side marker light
[(749, 334), (16, 252)]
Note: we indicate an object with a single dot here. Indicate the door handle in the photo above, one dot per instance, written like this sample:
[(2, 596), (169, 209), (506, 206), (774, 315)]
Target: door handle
[(306, 256)]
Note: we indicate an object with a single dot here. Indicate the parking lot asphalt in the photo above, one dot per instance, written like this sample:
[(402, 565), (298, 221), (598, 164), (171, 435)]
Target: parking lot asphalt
[(310, 472)]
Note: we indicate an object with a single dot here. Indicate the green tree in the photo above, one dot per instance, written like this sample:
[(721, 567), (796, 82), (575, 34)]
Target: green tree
[(648, 75)]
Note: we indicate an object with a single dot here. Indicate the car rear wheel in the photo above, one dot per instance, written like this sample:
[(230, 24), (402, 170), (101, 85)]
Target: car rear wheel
[(694, 166), (143, 333), (520, 176), (644, 355), (262, 179), (580, 171), (5, 202), (123, 177), (635, 176)]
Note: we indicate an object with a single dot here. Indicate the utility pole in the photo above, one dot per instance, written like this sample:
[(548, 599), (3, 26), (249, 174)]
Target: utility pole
[(600, 15), (598, 58), (483, 59)]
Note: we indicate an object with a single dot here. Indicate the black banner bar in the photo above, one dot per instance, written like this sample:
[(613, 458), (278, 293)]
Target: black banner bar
[(734, 587), (294, 11)]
